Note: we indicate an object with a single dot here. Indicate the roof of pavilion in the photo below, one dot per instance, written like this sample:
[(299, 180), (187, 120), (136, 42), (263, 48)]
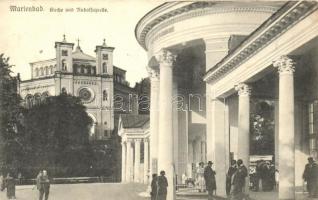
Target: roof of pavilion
[(286, 17), (134, 121)]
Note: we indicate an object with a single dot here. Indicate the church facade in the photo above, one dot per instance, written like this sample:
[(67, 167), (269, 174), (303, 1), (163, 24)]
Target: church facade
[(93, 79)]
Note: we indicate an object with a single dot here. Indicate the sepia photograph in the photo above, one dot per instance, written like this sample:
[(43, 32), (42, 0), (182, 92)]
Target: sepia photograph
[(158, 100)]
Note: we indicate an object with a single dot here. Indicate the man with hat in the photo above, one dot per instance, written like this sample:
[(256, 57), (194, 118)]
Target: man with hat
[(162, 186), (310, 176), (209, 177)]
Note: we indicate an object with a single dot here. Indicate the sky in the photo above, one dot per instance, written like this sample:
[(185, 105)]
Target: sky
[(30, 36)]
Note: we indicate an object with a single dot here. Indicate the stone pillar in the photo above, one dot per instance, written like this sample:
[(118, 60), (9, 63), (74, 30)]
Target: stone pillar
[(154, 120), (203, 150), (244, 92), (123, 162), (190, 158), (146, 160), (286, 68), (165, 137), (137, 161), (129, 161), (216, 148)]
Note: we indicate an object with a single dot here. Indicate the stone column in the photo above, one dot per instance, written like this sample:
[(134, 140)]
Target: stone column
[(244, 92), (190, 158), (123, 162), (137, 161), (154, 120), (216, 147), (129, 161), (286, 68), (203, 150), (146, 160), (165, 137)]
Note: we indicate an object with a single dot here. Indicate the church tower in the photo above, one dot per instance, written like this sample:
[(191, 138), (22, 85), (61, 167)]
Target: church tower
[(64, 61), (104, 59)]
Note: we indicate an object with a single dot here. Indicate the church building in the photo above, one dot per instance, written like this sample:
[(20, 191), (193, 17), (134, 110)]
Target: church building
[(94, 79)]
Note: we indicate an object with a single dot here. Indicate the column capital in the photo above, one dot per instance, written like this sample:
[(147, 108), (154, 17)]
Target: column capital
[(285, 65), (137, 140), (153, 74), (129, 140), (146, 140), (166, 58), (243, 89)]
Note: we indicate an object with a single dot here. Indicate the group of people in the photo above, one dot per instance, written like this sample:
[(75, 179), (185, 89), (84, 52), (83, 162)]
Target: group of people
[(235, 180), (310, 176), (43, 185), (159, 186), (8, 182), (264, 177)]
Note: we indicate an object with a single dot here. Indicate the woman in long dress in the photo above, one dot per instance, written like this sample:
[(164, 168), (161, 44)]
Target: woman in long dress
[(200, 175)]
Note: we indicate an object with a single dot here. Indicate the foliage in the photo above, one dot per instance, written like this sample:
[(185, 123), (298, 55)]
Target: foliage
[(10, 146), (56, 137), (262, 128)]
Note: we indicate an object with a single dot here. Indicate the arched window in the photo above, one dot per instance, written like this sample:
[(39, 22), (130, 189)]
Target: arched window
[(75, 68), (41, 71), (37, 99), (93, 70), (82, 69), (46, 70), (105, 95), (89, 69), (51, 69), (44, 96), (104, 68), (28, 101), (36, 72), (64, 65)]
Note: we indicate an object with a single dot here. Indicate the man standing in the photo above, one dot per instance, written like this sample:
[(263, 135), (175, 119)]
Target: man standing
[(154, 187), (162, 186), (232, 169), (43, 185), (209, 177), (238, 181), (310, 176)]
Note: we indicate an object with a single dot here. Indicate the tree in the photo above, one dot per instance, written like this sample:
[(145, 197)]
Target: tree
[(10, 109), (262, 127), (56, 137)]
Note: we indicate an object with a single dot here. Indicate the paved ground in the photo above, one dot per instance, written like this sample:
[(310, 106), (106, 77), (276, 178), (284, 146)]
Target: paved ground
[(93, 191), (115, 191)]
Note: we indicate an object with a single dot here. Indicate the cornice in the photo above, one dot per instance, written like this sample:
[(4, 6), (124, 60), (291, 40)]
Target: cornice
[(192, 10), (289, 15)]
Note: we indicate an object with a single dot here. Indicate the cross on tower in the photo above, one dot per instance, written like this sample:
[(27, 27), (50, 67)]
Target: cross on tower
[(64, 38), (104, 44), (78, 41)]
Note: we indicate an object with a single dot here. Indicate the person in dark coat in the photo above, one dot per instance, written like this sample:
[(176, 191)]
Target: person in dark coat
[(310, 176), (45, 185), (10, 185), (232, 169), (162, 186), (154, 187), (209, 177), (238, 181)]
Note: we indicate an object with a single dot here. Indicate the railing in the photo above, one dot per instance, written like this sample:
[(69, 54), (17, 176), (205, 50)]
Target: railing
[(71, 180)]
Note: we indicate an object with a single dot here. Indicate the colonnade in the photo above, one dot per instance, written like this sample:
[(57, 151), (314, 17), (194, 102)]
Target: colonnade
[(286, 138), (131, 160)]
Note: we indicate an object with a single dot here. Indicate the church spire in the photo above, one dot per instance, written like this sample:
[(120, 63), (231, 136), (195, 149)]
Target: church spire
[(104, 42), (64, 38), (78, 48)]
